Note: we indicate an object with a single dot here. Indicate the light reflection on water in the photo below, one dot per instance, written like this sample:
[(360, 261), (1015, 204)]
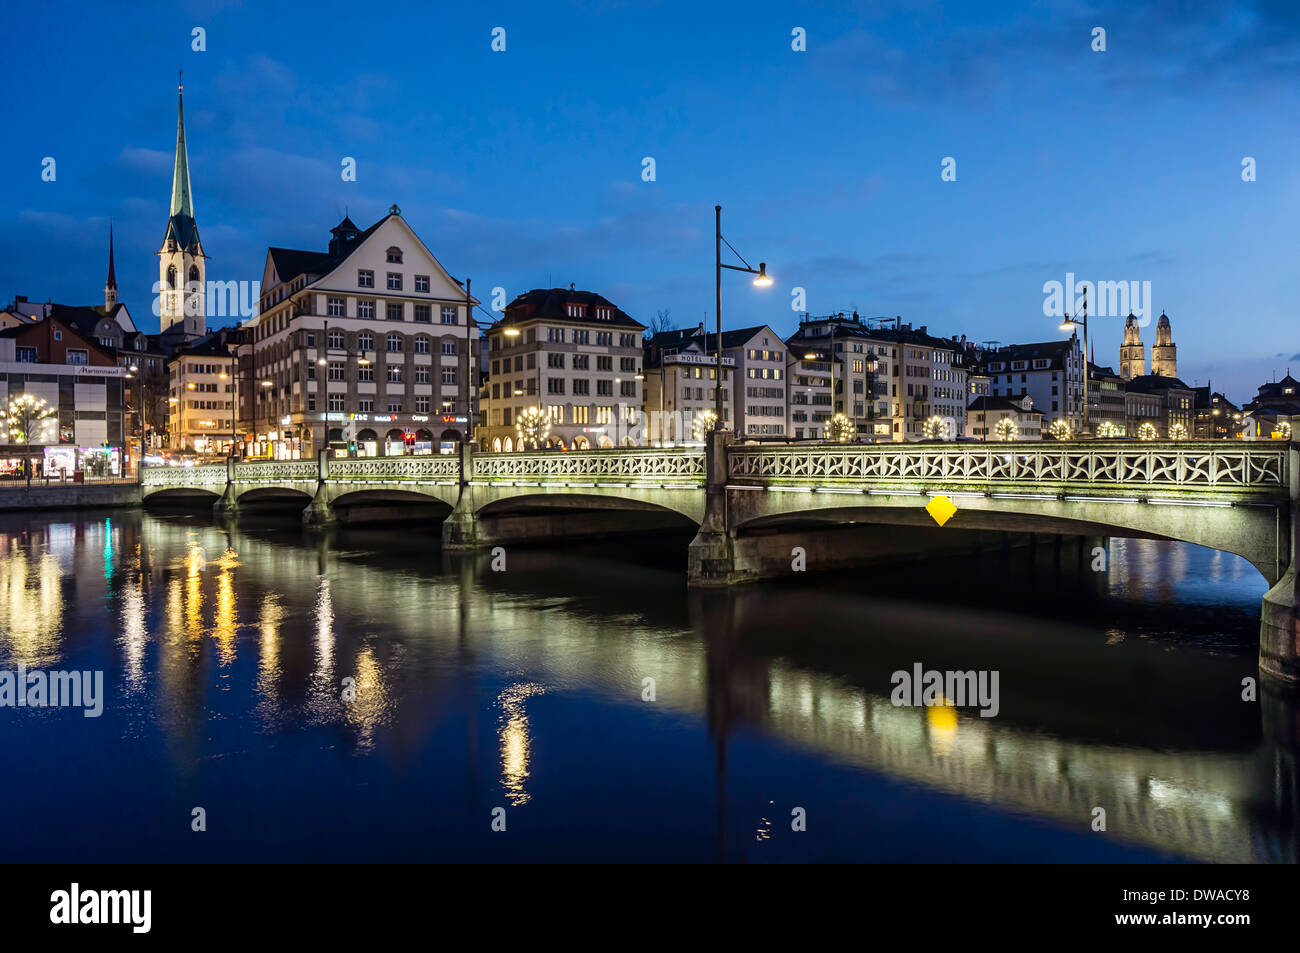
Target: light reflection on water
[(368, 685)]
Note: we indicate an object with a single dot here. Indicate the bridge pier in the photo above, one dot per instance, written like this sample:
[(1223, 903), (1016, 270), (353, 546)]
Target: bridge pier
[(319, 512), (460, 530), (711, 557), (227, 505), (1279, 621)]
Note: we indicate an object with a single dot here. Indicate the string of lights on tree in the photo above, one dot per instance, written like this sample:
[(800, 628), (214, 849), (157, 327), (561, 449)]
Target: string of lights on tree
[(937, 428), (532, 426), (841, 429), (703, 424), (25, 413)]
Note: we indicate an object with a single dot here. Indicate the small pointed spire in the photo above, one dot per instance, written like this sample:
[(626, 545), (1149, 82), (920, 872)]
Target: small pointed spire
[(112, 274), (182, 200)]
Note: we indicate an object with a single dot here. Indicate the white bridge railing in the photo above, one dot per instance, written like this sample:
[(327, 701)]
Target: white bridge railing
[(204, 476), (1213, 467), (669, 467)]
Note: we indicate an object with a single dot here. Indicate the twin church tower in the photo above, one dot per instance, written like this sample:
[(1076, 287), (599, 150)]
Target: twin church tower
[(181, 268), (1132, 353)]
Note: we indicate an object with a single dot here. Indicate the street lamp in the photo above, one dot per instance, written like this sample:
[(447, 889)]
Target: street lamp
[(1070, 324), (761, 280)]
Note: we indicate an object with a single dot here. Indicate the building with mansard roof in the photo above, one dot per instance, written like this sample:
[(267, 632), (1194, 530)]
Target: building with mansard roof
[(575, 355)]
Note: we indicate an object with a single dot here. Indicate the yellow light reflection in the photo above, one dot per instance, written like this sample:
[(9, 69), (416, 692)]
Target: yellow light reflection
[(31, 608), (368, 709), (516, 745), (324, 630), (224, 633), (942, 720), (134, 634), (194, 563)]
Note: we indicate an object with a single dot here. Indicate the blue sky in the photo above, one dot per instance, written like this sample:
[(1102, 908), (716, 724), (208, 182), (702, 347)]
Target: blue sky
[(523, 168)]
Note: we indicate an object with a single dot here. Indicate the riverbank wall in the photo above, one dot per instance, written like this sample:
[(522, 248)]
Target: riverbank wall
[(69, 496)]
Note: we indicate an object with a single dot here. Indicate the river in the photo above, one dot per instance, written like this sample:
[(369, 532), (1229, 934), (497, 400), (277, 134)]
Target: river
[(362, 696)]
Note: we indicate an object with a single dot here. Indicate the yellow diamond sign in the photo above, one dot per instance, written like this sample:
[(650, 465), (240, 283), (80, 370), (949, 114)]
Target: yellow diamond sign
[(941, 508)]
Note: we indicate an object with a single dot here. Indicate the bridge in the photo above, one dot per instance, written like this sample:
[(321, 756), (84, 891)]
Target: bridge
[(827, 506)]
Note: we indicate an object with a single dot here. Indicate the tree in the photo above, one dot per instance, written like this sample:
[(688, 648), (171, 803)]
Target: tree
[(705, 421), (26, 416), (1060, 429), (841, 429), (1006, 429), (660, 322), (532, 426)]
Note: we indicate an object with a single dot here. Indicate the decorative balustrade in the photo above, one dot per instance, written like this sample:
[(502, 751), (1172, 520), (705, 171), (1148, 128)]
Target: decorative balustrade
[(1217, 468), (663, 467), (276, 471), (421, 469), (205, 475)]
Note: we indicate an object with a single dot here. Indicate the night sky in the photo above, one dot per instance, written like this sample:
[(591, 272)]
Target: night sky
[(523, 168)]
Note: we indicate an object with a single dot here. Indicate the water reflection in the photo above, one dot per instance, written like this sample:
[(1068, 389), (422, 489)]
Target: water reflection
[(515, 741), (386, 653)]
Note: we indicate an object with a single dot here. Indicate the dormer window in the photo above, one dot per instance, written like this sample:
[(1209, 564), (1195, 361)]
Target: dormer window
[(576, 310), (394, 255)]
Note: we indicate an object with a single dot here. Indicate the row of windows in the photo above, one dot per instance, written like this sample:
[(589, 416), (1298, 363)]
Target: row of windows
[(394, 373), (366, 278), (365, 341), (27, 355), (337, 404), (393, 310)]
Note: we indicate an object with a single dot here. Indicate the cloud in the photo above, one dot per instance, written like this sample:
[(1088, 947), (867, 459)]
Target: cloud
[(1209, 48)]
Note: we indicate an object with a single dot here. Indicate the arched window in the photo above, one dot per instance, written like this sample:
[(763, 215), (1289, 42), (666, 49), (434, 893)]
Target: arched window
[(509, 445), (171, 277), (395, 342), (394, 255), (194, 273), (496, 444), (366, 341)]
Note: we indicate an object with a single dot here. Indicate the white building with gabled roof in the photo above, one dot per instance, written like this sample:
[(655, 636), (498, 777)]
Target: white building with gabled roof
[(367, 348)]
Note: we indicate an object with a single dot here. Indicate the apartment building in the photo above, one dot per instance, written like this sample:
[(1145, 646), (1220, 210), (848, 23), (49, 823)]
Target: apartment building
[(1106, 401), (758, 399), (680, 377), (810, 379), (1051, 372), (201, 384), (1004, 418), (860, 375), (1174, 400), (370, 344), (576, 356), (81, 382)]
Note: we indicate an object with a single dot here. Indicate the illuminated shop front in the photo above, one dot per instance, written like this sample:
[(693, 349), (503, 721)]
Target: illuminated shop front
[(61, 463)]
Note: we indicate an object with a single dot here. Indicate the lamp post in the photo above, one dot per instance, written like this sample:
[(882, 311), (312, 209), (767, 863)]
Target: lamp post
[(1070, 324), (761, 280)]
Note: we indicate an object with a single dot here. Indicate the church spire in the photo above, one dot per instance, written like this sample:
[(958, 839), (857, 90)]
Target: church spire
[(110, 286), (182, 200)]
